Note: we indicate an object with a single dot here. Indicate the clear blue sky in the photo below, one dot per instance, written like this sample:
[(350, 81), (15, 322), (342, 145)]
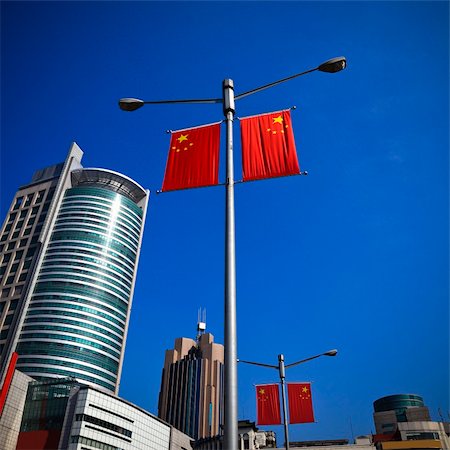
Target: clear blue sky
[(353, 257)]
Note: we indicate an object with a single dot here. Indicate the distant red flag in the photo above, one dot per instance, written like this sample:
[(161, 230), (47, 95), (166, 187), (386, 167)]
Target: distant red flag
[(268, 404), (193, 159), (268, 146), (300, 403)]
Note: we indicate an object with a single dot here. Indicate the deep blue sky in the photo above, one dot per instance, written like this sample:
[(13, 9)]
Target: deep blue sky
[(354, 256)]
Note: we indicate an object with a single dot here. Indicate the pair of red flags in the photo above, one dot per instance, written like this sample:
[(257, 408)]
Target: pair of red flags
[(268, 150), (268, 403)]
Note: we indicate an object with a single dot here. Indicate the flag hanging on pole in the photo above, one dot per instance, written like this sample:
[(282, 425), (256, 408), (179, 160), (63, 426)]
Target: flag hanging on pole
[(268, 404), (268, 146), (193, 159), (300, 403)]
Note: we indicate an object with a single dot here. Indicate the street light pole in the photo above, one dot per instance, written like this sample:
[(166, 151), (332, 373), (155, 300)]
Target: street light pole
[(282, 373), (230, 439), (230, 357)]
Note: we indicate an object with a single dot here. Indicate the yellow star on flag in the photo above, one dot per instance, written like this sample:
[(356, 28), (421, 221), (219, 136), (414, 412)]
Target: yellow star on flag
[(305, 389), (183, 137), (278, 119)]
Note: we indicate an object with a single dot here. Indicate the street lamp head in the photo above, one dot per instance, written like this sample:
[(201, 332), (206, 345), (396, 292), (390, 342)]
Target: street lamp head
[(331, 353), (333, 65), (130, 104)]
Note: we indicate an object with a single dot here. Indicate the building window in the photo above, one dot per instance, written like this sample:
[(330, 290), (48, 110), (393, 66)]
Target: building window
[(13, 305), (6, 257), (12, 216), (103, 424), (23, 243), (18, 289), (19, 201), (19, 224), (93, 443), (14, 268), (8, 319), (15, 234), (34, 210), (11, 246), (18, 255), (5, 292), (4, 237), (4, 334), (40, 196), (29, 200), (23, 277), (31, 220), (10, 279), (23, 214), (27, 231), (8, 227)]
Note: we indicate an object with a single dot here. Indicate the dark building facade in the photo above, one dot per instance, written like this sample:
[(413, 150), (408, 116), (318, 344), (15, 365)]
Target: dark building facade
[(191, 392)]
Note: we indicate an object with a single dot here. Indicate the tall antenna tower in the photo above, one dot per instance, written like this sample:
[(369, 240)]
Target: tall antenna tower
[(201, 323)]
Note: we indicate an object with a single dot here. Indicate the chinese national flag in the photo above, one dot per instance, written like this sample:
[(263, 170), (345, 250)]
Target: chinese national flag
[(193, 159), (300, 403), (268, 146), (268, 404)]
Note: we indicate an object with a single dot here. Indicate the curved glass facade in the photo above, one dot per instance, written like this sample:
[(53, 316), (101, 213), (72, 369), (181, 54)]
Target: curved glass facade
[(397, 402), (77, 317)]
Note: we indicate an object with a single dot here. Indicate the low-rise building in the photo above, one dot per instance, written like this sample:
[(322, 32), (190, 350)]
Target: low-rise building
[(63, 414)]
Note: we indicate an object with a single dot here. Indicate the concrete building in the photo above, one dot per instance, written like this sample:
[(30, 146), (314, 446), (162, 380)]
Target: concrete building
[(11, 416), (191, 392), (403, 422), (69, 253), (63, 414)]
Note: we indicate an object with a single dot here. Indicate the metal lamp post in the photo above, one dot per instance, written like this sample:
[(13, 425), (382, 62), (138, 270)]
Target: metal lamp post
[(230, 366), (282, 373)]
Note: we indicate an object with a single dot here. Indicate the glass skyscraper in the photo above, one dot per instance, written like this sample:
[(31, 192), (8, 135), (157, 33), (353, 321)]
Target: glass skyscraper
[(68, 281)]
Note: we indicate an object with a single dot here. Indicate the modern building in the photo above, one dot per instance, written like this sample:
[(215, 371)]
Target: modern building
[(403, 422), (67, 415), (191, 392), (69, 251)]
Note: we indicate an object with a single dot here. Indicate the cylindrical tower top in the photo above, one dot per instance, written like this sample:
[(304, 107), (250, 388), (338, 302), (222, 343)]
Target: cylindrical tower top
[(397, 401)]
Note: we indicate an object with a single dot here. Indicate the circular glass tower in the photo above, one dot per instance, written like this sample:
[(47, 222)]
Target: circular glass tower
[(77, 318)]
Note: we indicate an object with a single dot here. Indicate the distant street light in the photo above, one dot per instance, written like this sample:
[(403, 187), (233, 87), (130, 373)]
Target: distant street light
[(230, 357), (281, 371)]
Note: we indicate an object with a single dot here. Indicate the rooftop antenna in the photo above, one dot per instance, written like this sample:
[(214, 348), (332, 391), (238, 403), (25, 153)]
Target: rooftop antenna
[(201, 323)]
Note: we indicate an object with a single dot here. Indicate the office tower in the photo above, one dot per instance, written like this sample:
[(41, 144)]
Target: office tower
[(69, 253), (191, 395)]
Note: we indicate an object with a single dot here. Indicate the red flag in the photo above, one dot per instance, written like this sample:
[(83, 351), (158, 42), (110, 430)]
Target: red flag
[(193, 159), (268, 146), (268, 404), (8, 379), (300, 403)]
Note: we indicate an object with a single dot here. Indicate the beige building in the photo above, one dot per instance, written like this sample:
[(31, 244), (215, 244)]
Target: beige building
[(191, 392), (11, 416)]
